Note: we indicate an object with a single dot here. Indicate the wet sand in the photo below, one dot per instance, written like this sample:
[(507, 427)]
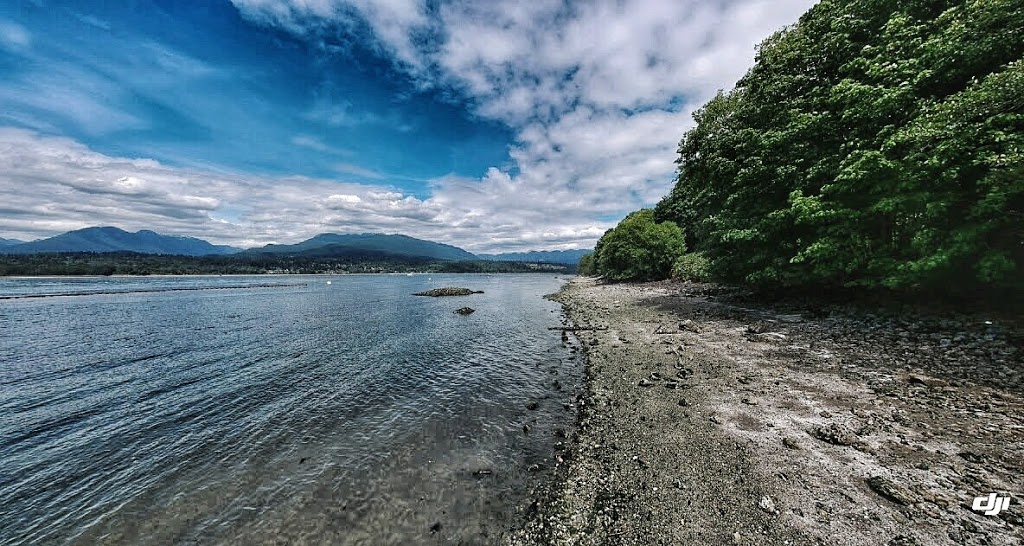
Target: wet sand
[(707, 420)]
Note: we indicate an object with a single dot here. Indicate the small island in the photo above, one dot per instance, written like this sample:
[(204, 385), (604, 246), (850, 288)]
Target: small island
[(448, 291)]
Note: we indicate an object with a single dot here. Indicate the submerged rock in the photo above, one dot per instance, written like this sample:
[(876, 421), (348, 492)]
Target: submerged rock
[(465, 310), (448, 291)]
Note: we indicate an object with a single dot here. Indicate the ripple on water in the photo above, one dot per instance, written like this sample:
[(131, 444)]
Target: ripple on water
[(349, 413)]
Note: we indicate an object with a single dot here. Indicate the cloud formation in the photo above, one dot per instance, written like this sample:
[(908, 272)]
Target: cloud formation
[(597, 94), (53, 184)]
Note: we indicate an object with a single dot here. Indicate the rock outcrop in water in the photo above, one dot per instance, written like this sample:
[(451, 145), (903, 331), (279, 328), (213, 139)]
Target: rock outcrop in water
[(448, 291), (465, 310)]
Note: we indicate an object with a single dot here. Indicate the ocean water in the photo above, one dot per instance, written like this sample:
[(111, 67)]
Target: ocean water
[(276, 409)]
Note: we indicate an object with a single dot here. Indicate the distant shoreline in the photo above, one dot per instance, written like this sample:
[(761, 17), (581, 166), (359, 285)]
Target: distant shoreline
[(134, 264)]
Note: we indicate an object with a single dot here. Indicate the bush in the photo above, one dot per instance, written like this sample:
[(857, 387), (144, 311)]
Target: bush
[(587, 267), (692, 267), (639, 249)]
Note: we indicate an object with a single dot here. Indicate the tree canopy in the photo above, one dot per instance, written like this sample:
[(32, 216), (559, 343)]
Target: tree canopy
[(637, 249), (874, 143)]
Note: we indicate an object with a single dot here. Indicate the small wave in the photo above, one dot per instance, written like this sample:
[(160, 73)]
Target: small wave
[(147, 291)]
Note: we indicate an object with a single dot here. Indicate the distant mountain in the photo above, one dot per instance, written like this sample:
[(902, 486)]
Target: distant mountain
[(329, 244), (112, 239), (10, 242), (571, 257)]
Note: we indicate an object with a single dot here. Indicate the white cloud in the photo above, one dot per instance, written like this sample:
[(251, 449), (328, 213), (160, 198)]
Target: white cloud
[(599, 93), (51, 184), (356, 170), (14, 36)]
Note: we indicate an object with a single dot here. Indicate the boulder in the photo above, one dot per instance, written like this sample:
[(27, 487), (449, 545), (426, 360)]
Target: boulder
[(465, 310)]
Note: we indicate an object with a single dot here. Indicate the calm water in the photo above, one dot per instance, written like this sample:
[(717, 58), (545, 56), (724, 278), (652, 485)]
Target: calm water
[(275, 409)]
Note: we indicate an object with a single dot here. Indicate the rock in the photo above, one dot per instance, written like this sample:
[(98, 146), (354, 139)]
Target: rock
[(933, 382), (790, 443), (971, 457), (769, 336), (689, 326), (767, 504), (835, 434), (645, 383), (448, 291), (465, 311), (482, 472), (891, 490), (435, 527), (533, 405)]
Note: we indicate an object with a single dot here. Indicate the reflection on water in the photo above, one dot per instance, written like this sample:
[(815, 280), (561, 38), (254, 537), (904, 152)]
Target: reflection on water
[(348, 413)]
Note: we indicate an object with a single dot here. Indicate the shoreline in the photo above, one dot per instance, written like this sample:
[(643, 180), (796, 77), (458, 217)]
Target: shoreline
[(706, 422)]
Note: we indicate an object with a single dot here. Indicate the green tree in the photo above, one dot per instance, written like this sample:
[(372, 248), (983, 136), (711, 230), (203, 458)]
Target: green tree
[(639, 249), (872, 144), (587, 267)]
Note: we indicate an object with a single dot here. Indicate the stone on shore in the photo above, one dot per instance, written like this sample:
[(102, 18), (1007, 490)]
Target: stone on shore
[(448, 291)]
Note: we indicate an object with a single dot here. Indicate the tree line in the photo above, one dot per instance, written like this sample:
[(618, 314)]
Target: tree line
[(130, 263), (874, 144)]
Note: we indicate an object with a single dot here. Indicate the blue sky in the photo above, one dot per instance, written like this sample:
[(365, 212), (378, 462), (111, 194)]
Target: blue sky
[(490, 125)]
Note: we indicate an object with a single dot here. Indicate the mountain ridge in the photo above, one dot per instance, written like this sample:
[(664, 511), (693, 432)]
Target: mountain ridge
[(394, 244), (569, 257), (109, 239), (105, 239)]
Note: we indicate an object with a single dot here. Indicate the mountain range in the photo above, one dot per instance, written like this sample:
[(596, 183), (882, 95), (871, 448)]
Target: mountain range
[(112, 239), (569, 257), (397, 245)]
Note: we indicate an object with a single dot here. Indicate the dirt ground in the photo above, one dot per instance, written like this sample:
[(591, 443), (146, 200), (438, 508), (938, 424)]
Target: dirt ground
[(708, 420)]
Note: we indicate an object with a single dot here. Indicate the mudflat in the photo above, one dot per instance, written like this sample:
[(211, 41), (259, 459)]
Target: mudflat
[(707, 420)]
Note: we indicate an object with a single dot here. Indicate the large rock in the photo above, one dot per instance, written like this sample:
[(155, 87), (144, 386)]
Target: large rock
[(448, 291), (465, 310)]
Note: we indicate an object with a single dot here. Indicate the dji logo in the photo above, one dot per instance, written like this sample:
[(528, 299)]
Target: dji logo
[(990, 505)]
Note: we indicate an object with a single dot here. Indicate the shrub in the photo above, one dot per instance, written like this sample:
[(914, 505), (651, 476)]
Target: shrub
[(693, 266), (586, 267), (639, 249)]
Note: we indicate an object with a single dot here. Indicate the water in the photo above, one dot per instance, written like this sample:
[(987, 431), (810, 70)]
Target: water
[(259, 410)]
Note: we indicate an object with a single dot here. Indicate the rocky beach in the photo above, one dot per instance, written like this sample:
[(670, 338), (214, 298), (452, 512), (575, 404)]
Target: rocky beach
[(710, 419)]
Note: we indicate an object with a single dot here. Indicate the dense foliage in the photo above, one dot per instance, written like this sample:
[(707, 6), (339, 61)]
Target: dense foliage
[(692, 266), (587, 265), (128, 263), (638, 248), (875, 143)]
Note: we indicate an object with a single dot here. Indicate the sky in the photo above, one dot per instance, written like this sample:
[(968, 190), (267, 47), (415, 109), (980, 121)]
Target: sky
[(491, 125)]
